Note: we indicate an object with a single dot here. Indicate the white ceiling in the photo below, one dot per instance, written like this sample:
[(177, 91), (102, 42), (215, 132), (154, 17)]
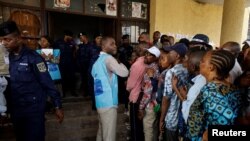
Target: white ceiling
[(220, 2)]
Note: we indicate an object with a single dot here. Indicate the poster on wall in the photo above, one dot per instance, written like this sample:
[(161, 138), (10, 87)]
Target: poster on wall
[(111, 7), (136, 9), (62, 3), (135, 33), (143, 11), (142, 30), (126, 30)]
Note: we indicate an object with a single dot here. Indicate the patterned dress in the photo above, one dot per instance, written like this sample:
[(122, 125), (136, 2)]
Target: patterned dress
[(217, 104)]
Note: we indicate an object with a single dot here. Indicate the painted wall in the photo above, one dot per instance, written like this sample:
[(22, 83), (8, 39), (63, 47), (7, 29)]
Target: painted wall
[(185, 18), (245, 32), (233, 21)]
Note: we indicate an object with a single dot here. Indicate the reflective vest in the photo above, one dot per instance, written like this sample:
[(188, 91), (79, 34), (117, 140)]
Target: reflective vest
[(105, 86)]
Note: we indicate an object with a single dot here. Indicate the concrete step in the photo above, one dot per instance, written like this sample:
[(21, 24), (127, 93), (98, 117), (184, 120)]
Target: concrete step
[(7, 133), (75, 123), (83, 108), (80, 123), (70, 99), (82, 129), (82, 135)]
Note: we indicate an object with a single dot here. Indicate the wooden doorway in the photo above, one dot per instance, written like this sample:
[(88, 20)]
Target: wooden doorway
[(29, 25)]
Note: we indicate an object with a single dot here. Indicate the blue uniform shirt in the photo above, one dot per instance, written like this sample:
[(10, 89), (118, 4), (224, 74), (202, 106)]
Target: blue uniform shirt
[(30, 83), (67, 56)]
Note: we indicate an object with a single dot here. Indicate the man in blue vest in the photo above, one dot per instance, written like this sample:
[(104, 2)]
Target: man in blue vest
[(30, 84), (105, 71)]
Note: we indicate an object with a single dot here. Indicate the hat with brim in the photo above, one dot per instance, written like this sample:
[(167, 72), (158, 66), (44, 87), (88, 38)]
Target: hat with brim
[(201, 39), (247, 42), (82, 34)]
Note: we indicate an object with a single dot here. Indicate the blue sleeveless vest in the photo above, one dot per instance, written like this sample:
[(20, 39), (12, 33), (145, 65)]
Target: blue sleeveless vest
[(53, 68), (105, 89)]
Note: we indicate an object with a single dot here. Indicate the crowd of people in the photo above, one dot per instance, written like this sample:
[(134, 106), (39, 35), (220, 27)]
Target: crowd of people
[(171, 90)]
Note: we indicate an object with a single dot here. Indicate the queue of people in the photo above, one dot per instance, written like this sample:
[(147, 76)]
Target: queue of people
[(171, 91)]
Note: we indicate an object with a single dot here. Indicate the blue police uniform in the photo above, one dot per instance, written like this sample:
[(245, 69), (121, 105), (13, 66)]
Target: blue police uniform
[(30, 85), (67, 65), (83, 62)]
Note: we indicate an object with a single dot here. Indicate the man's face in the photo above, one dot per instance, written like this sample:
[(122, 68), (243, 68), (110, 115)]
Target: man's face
[(83, 39), (98, 40), (44, 43), (173, 56), (67, 38), (111, 46), (164, 61), (156, 36), (125, 41), (205, 65), (10, 42), (149, 58), (143, 38)]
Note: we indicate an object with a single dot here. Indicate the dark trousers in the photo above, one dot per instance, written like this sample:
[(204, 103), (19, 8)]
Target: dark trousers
[(68, 82), (123, 94), (136, 124), (91, 91), (171, 135), (29, 127), (85, 81)]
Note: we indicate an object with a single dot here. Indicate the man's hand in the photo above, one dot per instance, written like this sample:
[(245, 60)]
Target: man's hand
[(205, 136), (162, 126), (150, 72), (183, 92), (59, 115), (140, 114)]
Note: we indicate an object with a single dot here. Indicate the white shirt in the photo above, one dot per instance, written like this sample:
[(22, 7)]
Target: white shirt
[(114, 67), (193, 92), (235, 72)]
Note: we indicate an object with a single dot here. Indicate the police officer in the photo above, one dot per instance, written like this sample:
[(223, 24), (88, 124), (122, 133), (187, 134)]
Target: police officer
[(67, 63), (83, 60), (30, 84), (94, 54)]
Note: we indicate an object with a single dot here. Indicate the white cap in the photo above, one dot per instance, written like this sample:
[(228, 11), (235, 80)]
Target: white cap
[(154, 50)]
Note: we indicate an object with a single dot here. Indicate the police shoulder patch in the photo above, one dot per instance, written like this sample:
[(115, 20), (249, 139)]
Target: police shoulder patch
[(41, 67)]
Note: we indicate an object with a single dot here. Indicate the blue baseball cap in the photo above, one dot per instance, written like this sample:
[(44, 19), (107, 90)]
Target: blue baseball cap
[(179, 48)]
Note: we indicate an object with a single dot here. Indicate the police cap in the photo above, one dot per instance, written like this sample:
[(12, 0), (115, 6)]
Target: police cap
[(97, 35), (68, 33), (82, 34), (8, 27)]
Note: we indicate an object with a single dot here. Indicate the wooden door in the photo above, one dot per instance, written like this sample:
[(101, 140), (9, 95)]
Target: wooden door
[(29, 25)]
